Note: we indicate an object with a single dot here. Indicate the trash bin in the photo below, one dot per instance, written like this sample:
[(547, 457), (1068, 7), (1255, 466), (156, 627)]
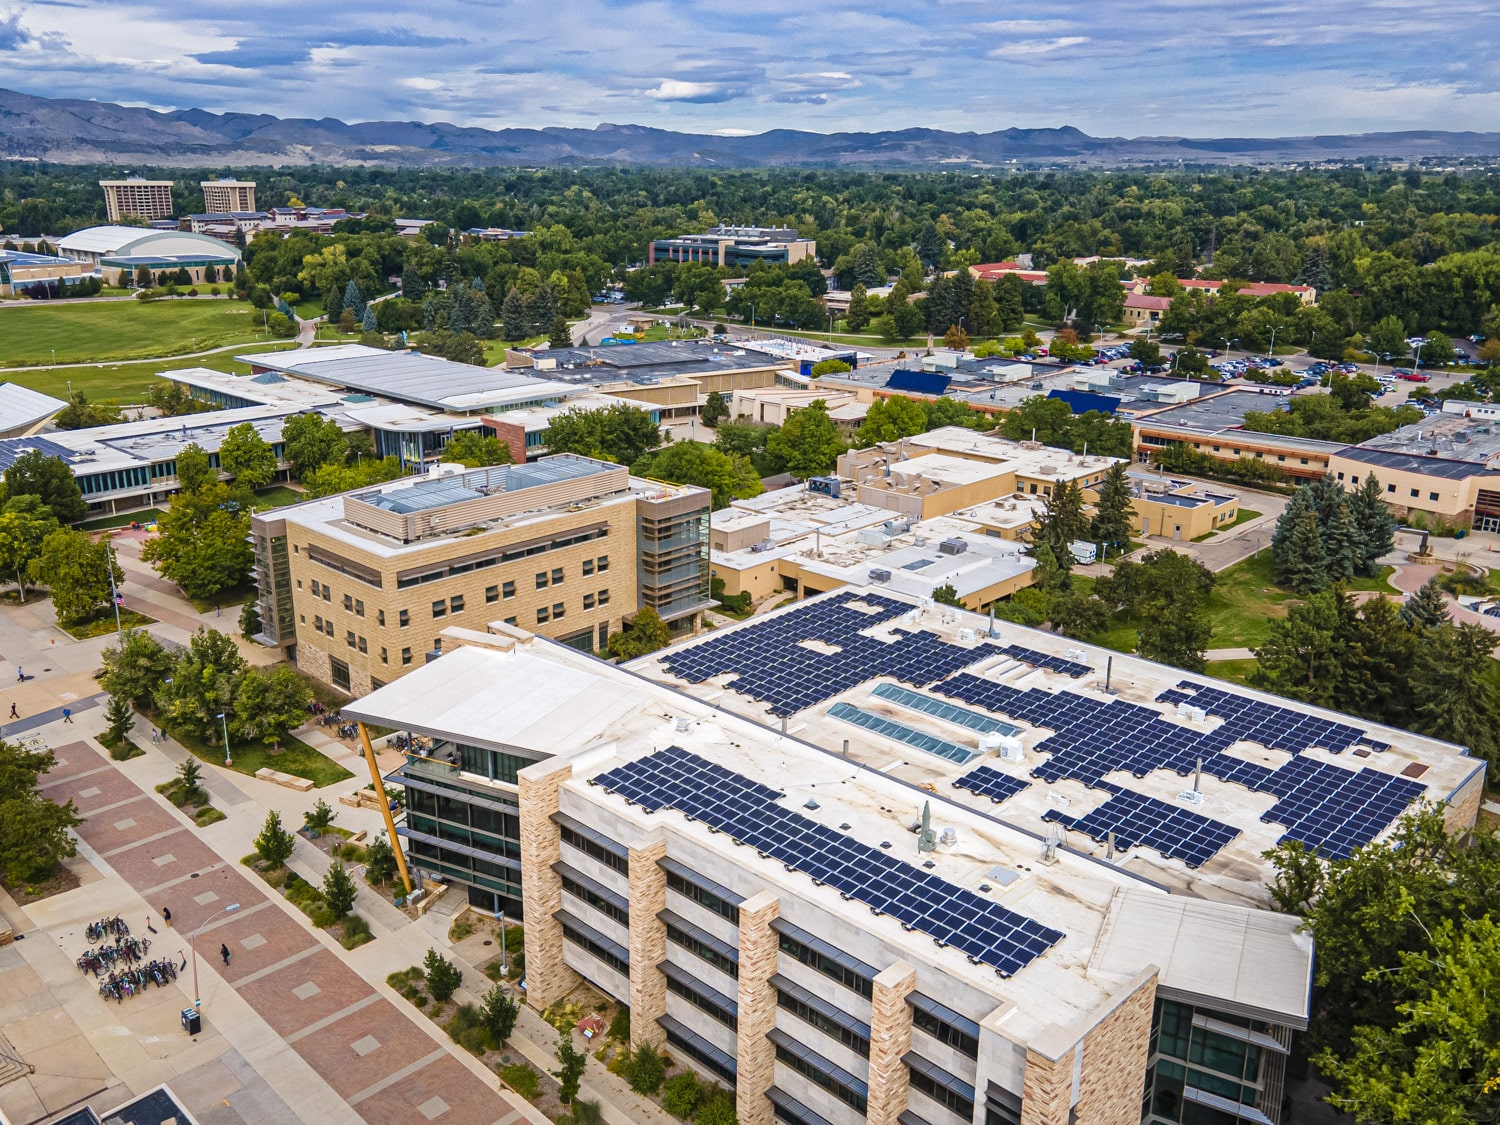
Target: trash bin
[(192, 1021)]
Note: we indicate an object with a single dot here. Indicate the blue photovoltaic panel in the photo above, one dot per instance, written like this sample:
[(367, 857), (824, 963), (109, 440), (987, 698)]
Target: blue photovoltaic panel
[(1081, 402), (747, 812), (772, 666), (1052, 663), (1328, 807), (918, 382), (1136, 819), (989, 782)]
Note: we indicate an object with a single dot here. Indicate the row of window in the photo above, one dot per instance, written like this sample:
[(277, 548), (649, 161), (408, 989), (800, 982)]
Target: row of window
[(827, 964), (700, 1050), (704, 897), (944, 1032), (929, 1080), (716, 953), (832, 1023), (555, 576), (599, 902), (704, 1001), (596, 851), (590, 945), (820, 1072), (504, 556)]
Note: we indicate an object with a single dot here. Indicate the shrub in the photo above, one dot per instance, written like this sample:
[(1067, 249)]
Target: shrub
[(681, 1095), (570, 1073), (467, 1029), (443, 976), (461, 929), (499, 1014), (274, 844), (619, 1027), (646, 1070), (321, 916), (522, 1079), (408, 982), (124, 750), (586, 1112), (563, 1016), (356, 932), (716, 1108), (208, 815)]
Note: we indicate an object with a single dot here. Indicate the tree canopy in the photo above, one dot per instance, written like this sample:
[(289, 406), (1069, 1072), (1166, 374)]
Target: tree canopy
[(50, 480), (728, 476), (619, 433)]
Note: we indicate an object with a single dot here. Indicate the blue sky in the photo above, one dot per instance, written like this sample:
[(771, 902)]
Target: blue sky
[(1109, 67)]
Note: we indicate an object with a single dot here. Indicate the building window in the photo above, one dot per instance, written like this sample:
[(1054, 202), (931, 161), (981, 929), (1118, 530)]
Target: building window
[(557, 611), (703, 892), (405, 618), (406, 656), (380, 618), (318, 623), (933, 1019), (456, 603), (1414, 494), (339, 673), (359, 608), (363, 645), (508, 589), (314, 587), (1390, 488), (721, 1008), (440, 608), (603, 563), (603, 597), (588, 567), (599, 946), (510, 620), (349, 638), (349, 603), (1341, 476), (721, 956), (943, 1088), (557, 576), (832, 963), (588, 601), (1432, 496), (542, 616), (595, 850), (383, 657), (491, 594), (586, 890), (541, 580), (818, 1070), (825, 1017)]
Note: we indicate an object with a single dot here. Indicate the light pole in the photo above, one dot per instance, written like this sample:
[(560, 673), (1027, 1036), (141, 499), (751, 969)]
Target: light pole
[(1227, 343), (1275, 328), (1418, 364), (114, 595), (230, 909), (830, 326), (223, 718), (1378, 357)]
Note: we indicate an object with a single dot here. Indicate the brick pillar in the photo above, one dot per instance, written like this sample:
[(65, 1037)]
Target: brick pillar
[(1114, 1059), (548, 979), (755, 1055), (1048, 1089), (890, 1039), (648, 941)]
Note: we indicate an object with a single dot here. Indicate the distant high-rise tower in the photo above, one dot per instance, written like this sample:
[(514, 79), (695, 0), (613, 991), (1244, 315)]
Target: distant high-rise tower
[(224, 197), (141, 199)]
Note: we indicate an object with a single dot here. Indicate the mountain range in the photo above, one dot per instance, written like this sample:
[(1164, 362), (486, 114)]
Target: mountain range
[(75, 131)]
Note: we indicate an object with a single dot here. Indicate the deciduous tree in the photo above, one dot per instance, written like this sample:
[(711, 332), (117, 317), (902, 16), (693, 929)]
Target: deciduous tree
[(808, 443), (48, 478), (34, 830), (202, 541), (687, 462), (475, 451), (25, 523), (247, 456), (77, 571)]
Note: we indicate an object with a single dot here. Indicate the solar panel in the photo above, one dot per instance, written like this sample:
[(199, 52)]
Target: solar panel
[(927, 705), (989, 782), (1136, 819), (984, 931), (1043, 660), (903, 733), (770, 662)]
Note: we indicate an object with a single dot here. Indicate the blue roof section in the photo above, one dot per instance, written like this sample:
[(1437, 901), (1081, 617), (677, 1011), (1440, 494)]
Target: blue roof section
[(1081, 402), (918, 382), (12, 448)]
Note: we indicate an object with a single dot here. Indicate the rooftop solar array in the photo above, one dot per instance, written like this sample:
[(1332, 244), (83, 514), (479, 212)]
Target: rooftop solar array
[(772, 665), (870, 721), (1051, 663), (989, 782), (1137, 819), (1336, 810), (747, 812)]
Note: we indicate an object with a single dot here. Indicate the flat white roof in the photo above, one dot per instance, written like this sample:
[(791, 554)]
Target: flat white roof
[(21, 407)]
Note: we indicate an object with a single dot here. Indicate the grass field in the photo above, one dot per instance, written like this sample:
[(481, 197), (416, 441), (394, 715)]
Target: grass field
[(126, 383), (120, 330), (296, 758), (277, 496)]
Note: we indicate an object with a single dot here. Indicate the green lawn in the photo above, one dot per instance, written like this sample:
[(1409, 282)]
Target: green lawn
[(1245, 516), (120, 330), (296, 758), (1235, 671), (124, 382), (225, 599), (104, 523), (277, 497), (103, 622)]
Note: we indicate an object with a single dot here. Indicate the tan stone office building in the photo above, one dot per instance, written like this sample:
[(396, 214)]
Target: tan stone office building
[(850, 859), (357, 588)]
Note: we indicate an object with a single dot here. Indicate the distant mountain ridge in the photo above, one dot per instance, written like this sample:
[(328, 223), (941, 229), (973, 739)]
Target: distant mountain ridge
[(75, 131)]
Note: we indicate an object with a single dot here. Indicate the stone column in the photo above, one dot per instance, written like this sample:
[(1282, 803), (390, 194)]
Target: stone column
[(1048, 1089), (890, 1039), (1114, 1058), (755, 1055), (648, 941), (548, 978)]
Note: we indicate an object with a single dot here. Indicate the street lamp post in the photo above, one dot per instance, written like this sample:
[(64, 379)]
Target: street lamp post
[(230, 909), (114, 594), (830, 326), (223, 718), (1275, 328), (1417, 365)]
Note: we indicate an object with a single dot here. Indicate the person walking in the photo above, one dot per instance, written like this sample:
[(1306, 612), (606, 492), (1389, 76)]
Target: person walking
[(20, 675), (14, 714), (67, 714), (224, 953), (166, 916)]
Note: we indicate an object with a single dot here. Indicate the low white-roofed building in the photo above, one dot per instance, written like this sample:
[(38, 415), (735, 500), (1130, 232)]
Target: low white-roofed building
[(130, 247), (23, 410)]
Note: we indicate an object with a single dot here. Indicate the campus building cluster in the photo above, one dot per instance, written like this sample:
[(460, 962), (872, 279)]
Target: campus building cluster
[(867, 859), (735, 247)]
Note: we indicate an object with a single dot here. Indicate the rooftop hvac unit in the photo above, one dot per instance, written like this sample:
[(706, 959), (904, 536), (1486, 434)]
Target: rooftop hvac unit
[(763, 545), (1200, 715), (873, 537), (948, 837), (953, 546), (896, 527), (879, 574), (966, 635), (828, 486), (684, 724)]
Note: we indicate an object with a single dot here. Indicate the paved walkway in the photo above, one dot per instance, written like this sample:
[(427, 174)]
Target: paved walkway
[(373, 1056)]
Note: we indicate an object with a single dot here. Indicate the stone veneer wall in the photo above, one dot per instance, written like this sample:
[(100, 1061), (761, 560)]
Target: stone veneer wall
[(755, 1055), (890, 1040), (548, 978), (1114, 1061), (648, 942)]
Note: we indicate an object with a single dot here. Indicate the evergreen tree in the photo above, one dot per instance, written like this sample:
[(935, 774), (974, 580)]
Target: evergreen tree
[(1304, 565), (715, 409), (368, 323), (412, 285), (1427, 608), (339, 890), (443, 976), (120, 717), (513, 316), (1010, 311), (541, 310), (354, 301), (274, 844), (1377, 527), (559, 335), (982, 310), (1341, 545), (929, 248), (1114, 515), (1451, 689), (1062, 522)]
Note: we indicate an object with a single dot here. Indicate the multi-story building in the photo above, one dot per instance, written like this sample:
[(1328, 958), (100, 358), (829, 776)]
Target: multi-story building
[(735, 247), (1214, 425), (357, 588), (864, 861), (137, 198), (224, 196)]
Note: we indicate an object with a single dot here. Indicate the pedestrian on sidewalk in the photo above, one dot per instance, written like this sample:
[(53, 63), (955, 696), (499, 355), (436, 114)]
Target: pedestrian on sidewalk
[(20, 675), (218, 611), (166, 916), (224, 953), (14, 714), (67, 714)]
